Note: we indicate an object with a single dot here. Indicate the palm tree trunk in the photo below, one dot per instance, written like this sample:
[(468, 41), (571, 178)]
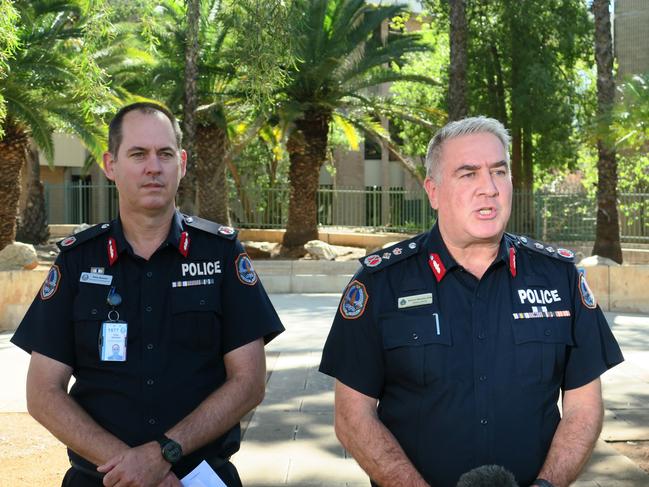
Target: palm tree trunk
[(307, 149), (32, 225), (211, 152), (187, 190), (607, 231), (457, 87), (13, 148)]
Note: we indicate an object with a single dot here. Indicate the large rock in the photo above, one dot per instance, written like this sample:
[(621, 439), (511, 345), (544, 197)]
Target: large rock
[(17, 256), (320, 250), (261, 250), (595, 260)]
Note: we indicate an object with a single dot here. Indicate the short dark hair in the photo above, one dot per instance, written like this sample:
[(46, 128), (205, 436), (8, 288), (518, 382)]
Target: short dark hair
[(115, 126)]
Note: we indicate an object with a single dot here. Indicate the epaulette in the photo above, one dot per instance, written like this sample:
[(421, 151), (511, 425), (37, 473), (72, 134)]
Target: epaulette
[(78, 238), (560, 253), (391, 255), (211, 227)]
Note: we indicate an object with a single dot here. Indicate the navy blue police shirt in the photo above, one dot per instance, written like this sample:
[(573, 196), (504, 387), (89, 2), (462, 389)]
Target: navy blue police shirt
[(468, 372), (196, 299)]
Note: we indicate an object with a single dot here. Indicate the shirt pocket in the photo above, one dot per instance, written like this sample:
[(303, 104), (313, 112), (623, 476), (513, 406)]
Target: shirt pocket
[(541, 345), (89, 311), (415, 348), (196, 318)]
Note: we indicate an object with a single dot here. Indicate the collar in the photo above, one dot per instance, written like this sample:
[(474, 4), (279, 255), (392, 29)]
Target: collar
[(441, 261), (177, 238)]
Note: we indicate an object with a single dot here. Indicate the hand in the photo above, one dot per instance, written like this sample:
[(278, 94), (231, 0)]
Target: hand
[(142, 466), (170, 480)]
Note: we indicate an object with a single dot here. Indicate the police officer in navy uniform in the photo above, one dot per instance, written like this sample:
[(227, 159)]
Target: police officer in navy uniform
[(450, 350), (180, 298)]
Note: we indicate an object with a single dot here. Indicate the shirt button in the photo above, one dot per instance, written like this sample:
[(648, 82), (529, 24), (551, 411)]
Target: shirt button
[(149, 274), (149, 382), (93, 311), (483, 421), (415, 336), (151, 421), (547, 332), (148, 309), (481, 335), (201, 302), (483, 378), (149, 346)]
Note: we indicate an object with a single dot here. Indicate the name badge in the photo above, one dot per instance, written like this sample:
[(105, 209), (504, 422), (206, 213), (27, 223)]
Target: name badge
[(416, 300), (112, 341), (93, 278)]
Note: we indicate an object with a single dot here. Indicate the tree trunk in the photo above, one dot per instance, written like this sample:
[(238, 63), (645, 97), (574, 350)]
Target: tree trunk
[(307, 149), (211, 151), (13, 148), (32, 225), (457, 87), (187, 191), (517, 155), (607, 231)]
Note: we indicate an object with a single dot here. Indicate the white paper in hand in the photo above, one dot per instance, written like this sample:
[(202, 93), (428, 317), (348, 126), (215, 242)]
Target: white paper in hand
[(202, 476)]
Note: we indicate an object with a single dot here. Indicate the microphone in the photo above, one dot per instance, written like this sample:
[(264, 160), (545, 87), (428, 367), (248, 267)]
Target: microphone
[(487, 476)]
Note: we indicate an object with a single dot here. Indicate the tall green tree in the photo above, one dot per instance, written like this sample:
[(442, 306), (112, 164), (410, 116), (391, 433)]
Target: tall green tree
[(45, 89), (340, 60), (607, 230)]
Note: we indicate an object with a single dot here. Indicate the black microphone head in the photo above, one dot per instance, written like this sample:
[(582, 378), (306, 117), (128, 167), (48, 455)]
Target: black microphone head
[(487, 476)]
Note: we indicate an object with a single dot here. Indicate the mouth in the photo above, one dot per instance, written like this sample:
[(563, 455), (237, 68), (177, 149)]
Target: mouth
[(152, 185), (487, 212)]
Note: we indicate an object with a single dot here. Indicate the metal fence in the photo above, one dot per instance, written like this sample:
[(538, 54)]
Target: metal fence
[(554, 217)]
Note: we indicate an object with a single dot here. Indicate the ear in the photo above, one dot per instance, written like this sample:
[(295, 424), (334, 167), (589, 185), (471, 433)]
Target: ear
[(431, 190), (108, 160), (183, 163)]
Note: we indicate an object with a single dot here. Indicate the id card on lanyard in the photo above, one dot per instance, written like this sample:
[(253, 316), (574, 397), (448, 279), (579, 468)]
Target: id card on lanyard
[(113, 341)]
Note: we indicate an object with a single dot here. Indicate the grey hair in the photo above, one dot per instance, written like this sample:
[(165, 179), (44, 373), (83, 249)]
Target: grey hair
[(466, 126)]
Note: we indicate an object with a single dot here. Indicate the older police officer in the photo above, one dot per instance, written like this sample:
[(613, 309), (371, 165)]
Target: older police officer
[(450, 349), (180, 300)]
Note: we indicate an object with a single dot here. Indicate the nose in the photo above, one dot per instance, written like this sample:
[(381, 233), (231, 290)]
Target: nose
[(488, 186), (153, 164)]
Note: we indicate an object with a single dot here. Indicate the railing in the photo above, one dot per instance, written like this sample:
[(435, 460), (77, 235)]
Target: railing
[(552, 217)]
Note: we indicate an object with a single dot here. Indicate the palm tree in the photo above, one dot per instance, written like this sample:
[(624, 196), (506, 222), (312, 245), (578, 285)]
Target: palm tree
[(340, 58), (45, 89), (607, 230)]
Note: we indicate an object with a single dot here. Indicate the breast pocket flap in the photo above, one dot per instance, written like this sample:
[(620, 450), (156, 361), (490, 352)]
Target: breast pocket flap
[(413, 332)]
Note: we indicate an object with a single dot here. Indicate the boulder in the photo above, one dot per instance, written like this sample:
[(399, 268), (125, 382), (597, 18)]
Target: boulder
[(595, 260), (261, 250), (18, 256), (320, 250)]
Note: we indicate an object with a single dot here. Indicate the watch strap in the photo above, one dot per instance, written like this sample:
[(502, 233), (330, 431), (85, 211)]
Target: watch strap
[(542, 483)]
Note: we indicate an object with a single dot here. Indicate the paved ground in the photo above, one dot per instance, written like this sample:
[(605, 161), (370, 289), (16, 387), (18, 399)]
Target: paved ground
[(290, 441)]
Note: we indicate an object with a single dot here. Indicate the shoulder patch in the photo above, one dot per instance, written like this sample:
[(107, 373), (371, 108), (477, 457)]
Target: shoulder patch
[(395, 253), (544, 249), (78, 238), (245, 272), (211, 227), (587, 296), (354, 300), (51, 283)]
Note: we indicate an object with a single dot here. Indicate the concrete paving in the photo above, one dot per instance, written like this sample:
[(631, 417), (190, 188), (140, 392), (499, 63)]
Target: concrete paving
[(289, 440)]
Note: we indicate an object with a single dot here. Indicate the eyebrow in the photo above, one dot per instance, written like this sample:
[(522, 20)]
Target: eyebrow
[(137, 148), (475, 167)]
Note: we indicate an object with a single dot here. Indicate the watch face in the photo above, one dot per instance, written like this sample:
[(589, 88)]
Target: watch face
[(172, 451)]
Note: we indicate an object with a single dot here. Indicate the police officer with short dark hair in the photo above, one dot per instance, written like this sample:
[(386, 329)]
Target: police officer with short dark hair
[(160, 318), (450, 350)]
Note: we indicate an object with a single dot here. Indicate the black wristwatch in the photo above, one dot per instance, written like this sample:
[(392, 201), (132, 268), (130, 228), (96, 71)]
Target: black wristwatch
[(171, 450), (542, 483)]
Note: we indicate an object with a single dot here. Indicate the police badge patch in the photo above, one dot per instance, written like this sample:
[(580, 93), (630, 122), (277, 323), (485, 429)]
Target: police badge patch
[(245, 271), (51, 284), (354, 301), (587, 296)]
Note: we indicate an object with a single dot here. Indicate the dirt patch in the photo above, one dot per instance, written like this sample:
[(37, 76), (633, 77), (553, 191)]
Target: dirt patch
[(31, 456), (637, 451)]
